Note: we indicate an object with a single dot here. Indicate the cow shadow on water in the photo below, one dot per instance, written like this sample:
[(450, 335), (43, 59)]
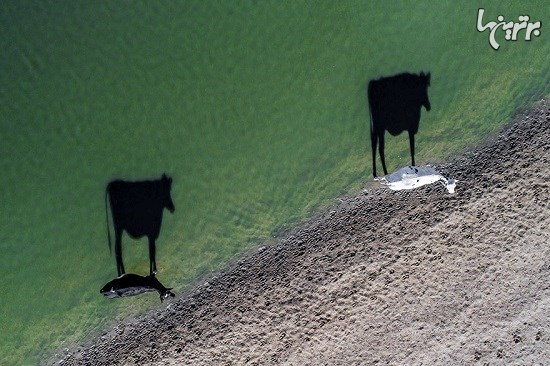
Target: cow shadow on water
[(395, 103), (137, 208)]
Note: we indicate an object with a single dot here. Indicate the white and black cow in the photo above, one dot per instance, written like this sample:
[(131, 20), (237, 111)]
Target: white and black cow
[(394, 104), (137, 207)]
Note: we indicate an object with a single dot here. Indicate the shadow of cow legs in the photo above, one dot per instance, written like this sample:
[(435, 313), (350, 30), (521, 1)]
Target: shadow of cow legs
[(152, 256), (118, 252), (381, 151), (411, 142)]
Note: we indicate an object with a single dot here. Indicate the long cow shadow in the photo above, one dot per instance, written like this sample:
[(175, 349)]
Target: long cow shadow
[(137, 208), (394, 104)]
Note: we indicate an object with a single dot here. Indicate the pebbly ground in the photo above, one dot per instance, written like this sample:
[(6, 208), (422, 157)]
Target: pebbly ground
[(384, 278)]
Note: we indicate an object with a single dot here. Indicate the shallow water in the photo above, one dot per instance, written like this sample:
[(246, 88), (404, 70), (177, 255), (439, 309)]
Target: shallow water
[(256, 110)]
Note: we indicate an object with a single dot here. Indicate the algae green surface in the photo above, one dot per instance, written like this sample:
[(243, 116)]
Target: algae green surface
[(256, 109)]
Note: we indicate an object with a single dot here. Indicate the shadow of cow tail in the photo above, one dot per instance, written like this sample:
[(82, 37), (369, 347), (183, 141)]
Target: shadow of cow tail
[(107, 219)]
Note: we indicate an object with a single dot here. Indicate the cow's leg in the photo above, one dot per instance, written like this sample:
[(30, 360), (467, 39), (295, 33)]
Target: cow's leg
[(152, 255), (373, 139), (118, 252), (381, 151), (411, 142)]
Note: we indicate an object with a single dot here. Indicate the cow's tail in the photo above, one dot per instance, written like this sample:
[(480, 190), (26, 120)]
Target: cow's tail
[(107, 219)]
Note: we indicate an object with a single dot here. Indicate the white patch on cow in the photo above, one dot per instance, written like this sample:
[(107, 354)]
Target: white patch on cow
[(411, 177), (133, 291), (127, 291), (111, 294)]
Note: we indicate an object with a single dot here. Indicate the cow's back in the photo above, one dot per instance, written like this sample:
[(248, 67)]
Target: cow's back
[(393, 103), (136, 207)]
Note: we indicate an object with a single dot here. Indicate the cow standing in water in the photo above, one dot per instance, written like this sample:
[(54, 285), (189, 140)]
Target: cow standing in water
[(394, 104), (136, 207)]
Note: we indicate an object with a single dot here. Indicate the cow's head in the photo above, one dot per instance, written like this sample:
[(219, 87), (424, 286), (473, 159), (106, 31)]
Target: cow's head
[(163, 291), (166, 294), (166, 196), (424, 83)]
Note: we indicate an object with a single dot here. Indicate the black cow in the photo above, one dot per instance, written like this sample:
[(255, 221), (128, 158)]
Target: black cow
[(137, 208), (132, 284), (394, 104)]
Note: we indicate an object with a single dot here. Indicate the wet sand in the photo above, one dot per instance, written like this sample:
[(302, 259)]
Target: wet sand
[(383, 278)]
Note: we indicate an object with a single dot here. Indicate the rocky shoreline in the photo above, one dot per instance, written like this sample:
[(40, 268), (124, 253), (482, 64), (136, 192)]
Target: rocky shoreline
[(407, 277)]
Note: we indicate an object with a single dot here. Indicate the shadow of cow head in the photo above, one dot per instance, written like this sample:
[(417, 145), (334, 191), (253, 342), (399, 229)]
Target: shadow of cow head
[(424, 84), (167, 197)]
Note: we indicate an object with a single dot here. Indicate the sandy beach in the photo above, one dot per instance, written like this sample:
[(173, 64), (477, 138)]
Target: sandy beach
[(419, 277)]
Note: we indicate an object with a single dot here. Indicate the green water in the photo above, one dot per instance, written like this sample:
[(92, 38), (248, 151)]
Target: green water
[(256, 109)]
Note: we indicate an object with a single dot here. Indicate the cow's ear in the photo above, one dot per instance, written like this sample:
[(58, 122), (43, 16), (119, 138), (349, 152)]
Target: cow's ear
[(164, 176), (429, 77), (422, 74)]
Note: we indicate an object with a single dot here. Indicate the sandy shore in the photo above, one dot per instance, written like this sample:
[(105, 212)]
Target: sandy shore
[(417, 277)]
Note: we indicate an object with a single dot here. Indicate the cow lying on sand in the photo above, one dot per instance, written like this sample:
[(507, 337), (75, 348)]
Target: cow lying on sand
[(132, 284)]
